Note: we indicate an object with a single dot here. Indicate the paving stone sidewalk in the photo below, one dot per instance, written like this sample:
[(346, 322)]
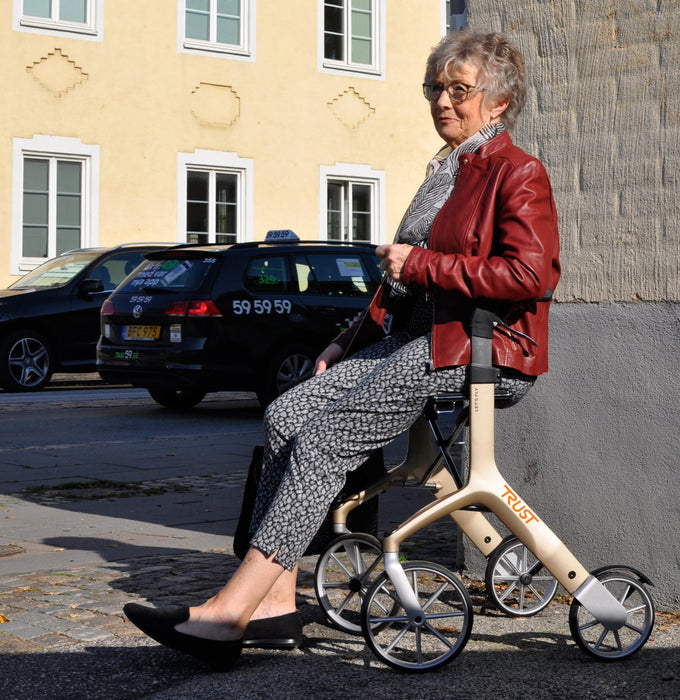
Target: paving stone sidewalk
[(65, 637)]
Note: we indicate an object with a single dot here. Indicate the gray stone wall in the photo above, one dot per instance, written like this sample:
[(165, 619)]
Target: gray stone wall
[(594, 446), (603, 114)]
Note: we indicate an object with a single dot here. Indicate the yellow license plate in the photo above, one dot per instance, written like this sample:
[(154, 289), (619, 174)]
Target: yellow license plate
[(141, 332)]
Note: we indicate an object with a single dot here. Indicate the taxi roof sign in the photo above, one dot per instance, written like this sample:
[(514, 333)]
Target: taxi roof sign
[(284, 234)]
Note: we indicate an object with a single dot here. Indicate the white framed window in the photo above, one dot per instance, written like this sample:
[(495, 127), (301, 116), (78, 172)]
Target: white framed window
[(55, 199), (352, 203), (80, 19), (352, 36), (454, 15), (215, 197), (217, 26)]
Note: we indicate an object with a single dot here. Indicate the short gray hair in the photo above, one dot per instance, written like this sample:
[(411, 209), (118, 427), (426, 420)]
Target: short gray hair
[(501, 67)]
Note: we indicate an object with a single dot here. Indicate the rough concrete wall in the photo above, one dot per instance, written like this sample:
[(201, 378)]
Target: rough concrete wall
[(603, 114), (593, 448)]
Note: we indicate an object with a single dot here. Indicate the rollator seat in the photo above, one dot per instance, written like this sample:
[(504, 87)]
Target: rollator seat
[(447, 403)]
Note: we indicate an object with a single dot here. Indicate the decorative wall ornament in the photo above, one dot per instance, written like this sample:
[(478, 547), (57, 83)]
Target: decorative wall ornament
[(215, 105), (351, 108), (57, 73)]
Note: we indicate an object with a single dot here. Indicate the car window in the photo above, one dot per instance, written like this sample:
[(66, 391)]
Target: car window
[(55, 272), (116, 268), (267, 274), (170, 274), (333, 275)]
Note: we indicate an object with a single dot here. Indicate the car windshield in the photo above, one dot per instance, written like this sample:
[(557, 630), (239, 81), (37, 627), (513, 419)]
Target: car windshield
[(56, 272), (172, 274)]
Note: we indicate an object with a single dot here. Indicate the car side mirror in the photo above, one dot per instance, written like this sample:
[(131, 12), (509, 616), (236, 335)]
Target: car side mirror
[(90, 286)]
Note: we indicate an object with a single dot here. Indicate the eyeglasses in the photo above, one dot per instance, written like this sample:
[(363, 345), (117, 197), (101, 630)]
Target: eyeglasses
[(457, 92)]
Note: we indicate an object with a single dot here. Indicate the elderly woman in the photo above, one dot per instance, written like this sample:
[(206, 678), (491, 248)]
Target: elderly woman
[(481, 227)]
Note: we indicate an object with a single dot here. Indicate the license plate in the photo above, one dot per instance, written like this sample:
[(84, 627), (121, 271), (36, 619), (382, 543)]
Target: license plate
[(141, 332)]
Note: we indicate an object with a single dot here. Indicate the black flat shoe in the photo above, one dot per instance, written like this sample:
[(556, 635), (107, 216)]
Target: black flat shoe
[(159, 624), (281, 632)]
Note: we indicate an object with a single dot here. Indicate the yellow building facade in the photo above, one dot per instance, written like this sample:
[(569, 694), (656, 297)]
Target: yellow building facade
[(209, 120)]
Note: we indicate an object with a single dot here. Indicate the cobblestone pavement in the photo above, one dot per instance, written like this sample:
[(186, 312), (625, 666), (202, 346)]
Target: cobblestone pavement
[(64, 636)]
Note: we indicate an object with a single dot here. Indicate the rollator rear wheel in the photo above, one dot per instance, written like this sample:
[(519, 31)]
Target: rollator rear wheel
[(516, 582), (611, 645), (343, 574), (418, 645)]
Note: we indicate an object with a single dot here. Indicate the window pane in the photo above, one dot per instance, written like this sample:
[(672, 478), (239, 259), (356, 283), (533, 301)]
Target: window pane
[(334, 211), (228, 31), (68, 210), (73, 11), (197, 217), (362, 5), (197, 203), (36, 174), (361, 24), (361, 227), (38, 8), (339, 275), (197, 26), (197, 186), (197, 238), (225, 218), (333, 18), (226, 205), (226, 188), (267, 275), (68, 177), (333, 47), (229, 7), (361, 51), (334, 31), (67, 239), (361, 212), (34, 243), (361, 199), (202, 5), (35, 209)]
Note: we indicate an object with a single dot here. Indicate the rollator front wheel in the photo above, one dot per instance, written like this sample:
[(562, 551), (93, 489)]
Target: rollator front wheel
[(420, 645), (612, 645), (516, 581), (343, 574)]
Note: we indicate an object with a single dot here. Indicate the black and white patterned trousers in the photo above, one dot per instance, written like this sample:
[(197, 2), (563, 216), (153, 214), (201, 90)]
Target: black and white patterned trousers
[(330, 424)]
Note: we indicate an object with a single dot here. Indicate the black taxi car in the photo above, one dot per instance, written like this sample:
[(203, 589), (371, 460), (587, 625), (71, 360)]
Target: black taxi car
[(194, 319), (49, 318)]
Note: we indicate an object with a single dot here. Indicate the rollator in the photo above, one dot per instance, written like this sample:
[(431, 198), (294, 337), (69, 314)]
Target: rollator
[(417, 615)]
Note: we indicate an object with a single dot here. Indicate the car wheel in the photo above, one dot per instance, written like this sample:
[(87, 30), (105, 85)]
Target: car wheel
[(26, 362), (177, 398), (291, 366)]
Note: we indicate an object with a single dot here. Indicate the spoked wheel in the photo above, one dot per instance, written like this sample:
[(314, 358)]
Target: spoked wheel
[(516, 581), (611, 645), (343, 574), (423, 644)]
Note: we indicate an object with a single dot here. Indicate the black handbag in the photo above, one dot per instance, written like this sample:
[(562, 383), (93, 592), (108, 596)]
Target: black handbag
[(364, 518)]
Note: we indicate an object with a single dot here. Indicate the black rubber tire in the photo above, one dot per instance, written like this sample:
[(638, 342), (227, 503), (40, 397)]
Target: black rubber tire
[(290, 366), (177, 398), (26, 361), (613, 645)]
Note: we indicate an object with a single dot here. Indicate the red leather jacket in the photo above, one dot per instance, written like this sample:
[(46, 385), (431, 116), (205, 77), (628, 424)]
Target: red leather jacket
[(495, 240)]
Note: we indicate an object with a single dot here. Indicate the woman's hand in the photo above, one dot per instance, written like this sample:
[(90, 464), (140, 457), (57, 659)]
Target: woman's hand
[(328, 357), (392, 258)]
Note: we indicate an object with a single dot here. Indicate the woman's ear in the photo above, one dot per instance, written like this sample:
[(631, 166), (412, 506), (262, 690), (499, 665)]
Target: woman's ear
[(499, 108)]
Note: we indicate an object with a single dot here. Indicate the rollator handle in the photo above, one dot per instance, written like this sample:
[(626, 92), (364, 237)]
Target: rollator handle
[(482, 326)]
